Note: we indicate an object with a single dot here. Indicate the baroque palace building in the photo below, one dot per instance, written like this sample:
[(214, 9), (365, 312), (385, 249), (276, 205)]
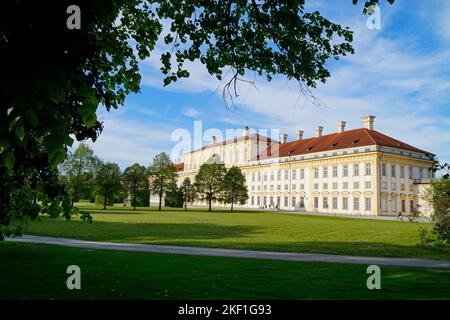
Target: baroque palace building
[(356, 172)]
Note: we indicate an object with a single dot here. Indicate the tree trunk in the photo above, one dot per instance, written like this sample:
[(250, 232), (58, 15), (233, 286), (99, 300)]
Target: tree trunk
[(104, 202), (160, 199), (232, 200), (134, 199), (209, 203), (185, 204)]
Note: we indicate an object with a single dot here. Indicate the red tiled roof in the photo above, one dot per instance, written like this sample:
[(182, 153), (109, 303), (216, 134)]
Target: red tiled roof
[(254, 136), (335, 141), (179, 166)]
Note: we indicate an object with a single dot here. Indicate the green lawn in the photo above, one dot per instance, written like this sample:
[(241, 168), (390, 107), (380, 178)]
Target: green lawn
[(246, 230), (35, 271)]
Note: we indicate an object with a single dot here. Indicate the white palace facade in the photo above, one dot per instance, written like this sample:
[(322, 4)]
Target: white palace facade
[(353, 172)]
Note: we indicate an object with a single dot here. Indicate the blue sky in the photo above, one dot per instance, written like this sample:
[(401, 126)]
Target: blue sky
[(399, 73)]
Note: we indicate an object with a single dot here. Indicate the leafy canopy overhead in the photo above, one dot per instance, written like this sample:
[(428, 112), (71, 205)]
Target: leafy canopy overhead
[(54, 79)]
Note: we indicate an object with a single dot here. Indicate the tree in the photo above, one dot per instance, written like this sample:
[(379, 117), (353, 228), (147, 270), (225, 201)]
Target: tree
[(438, 195), (68, 73), (234, 189), (208, 181), (135, 180), (189, 192), (79, 171), (174, 198), (162, 175), (107, 181)]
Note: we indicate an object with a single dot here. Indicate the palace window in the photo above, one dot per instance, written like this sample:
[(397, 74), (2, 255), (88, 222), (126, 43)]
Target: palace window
[(392, 170), (356, 170), (294, 187), (368, 204), (316, 186), (402, 171), (325, 186), (294, 174), (335, 171), (345, 185), (316, 172), (302, 186), (294, 204), (383, 170), (356, 185), (325, 202), (286, 174), (335, 185), (302, 173), (325, 172), (279, 187), (272, 176), (345, 173), (286, 187), (253, 177), (316, 202), (367, 184), (302, 202), (286, 201), (279, 175), (411, 173), (252, 200), (258, 201), (355, 203), (335, 202), (345, 203), (368, 169)]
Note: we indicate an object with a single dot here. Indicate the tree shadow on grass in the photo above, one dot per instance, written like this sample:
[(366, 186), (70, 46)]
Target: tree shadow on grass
[(375, 249), (140, 232)]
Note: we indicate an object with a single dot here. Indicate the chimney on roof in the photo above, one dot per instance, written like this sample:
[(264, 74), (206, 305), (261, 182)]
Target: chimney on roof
[(284, 137), (299, 134), (213, 140), (368, 122), (246, 132), (341, 126), (319, 131)]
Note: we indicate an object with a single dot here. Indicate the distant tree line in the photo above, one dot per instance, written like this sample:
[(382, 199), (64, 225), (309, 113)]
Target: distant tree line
[(86, 177)]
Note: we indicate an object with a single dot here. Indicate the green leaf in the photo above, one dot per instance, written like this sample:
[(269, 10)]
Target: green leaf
[(58, 157), (90, 120), (58, 96), (4, 144), (13, 123), (8, 112), (32, 118), (20, 131), (8, 160)]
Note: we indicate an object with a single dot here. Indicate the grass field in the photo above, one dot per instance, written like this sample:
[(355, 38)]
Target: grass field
[(34, 271), (246, 230)]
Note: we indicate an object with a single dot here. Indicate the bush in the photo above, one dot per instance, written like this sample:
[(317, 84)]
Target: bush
[(174, 199), (439, 196)]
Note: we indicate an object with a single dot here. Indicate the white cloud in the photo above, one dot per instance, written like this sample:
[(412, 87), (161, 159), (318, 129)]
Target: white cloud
[(191, 112)]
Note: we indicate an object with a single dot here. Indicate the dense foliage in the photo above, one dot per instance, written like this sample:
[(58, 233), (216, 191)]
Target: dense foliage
[(234, 189)]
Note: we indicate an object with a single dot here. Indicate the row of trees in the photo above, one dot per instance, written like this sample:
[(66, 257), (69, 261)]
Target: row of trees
[(213, 182), (87, 177)]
